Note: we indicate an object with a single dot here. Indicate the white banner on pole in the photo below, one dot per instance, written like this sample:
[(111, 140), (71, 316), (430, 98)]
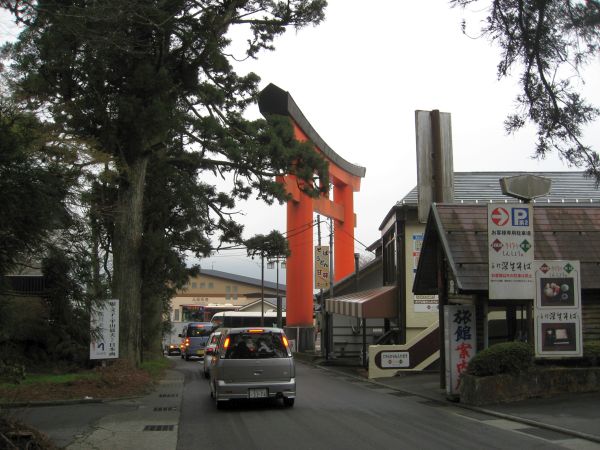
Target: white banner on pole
[(104, 325), (322, 270), (510, 251)]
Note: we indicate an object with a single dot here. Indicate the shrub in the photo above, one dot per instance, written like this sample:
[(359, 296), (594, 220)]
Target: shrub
[(591, 352), (507, 357)]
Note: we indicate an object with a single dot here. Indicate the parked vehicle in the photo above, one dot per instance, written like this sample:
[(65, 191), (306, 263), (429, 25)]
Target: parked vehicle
[(213, 341), (252, 363), (195, 336), (233, 319)]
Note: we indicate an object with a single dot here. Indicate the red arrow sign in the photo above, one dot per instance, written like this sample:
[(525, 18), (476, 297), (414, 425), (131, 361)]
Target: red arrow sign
[(500, 216)]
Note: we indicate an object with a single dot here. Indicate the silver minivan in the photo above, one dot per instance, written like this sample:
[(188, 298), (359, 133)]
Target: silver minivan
[(252, 363)]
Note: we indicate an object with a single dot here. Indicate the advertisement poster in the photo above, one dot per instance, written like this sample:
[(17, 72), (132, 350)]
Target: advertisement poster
[(104, 325), (460, 341), (510, 251), (558, 309)]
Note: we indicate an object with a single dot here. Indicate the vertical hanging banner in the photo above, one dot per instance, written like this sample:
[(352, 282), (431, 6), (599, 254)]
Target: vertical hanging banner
[(322, 272), (510, 251), (557, 314), (460, 342), (104, 325)]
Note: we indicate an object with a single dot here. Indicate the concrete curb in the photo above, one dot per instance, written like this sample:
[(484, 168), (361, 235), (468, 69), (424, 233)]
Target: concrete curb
[(523, 420), (76, 401)]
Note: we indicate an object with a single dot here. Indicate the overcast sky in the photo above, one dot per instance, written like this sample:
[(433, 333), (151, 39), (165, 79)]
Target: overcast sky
[(359, 77)]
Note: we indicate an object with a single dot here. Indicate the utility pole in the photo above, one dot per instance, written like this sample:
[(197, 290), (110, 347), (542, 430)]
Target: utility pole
[(279, 321), (262, 288)]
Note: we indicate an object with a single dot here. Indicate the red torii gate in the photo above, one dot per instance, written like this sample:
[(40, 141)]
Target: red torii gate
[(345, 178)]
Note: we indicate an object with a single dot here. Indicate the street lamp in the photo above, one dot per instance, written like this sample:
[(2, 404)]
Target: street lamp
[(270, 265)]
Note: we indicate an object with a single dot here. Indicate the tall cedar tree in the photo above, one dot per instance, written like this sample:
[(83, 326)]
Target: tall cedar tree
[(548, 41), (129, 76)]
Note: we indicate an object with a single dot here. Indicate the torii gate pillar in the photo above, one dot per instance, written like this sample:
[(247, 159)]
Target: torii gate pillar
[(345, 178)]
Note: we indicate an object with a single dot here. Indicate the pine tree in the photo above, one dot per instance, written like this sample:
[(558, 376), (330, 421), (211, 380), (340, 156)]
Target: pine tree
[(133, 78), (549, 42)]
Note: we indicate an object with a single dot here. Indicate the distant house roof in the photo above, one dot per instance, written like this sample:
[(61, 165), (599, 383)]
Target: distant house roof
[(570, 232), (484, 187), (242, 279)]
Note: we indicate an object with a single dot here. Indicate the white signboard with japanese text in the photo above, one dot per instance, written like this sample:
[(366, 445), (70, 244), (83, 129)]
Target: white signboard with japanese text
[(510, 251), (421, 303), (104, 324), (460, 342), (391, 359), (558, 331), (322, 272)]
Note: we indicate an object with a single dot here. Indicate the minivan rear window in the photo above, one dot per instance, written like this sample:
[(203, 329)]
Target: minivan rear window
[(256, 345), (197, 331)]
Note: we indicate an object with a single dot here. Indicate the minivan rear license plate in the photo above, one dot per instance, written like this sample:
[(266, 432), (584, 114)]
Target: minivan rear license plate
[(199, 352), (257, 393)]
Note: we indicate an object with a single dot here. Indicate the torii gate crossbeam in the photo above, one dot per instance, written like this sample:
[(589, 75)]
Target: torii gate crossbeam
[(345, 178)]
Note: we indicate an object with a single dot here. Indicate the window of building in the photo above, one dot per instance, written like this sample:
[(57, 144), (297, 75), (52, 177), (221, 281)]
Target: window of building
[(176, 315), (389, 257), (227, 288), (194, 285), (210, 285)]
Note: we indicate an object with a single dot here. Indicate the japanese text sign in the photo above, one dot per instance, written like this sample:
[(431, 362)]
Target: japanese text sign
[(322, 272), (557, 310), (460, 341), (510, 251), (104, 325)]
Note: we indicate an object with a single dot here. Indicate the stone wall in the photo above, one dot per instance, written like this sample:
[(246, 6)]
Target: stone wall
[(538, 382)]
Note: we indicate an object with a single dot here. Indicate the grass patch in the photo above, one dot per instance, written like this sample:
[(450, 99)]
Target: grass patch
[(156, 367)]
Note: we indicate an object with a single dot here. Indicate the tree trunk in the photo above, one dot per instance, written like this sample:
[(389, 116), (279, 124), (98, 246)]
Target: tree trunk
[(127, 260)]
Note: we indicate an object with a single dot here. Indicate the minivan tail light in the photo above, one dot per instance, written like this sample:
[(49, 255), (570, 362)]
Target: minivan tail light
[(285, 342), (226, 343), (256, 331)]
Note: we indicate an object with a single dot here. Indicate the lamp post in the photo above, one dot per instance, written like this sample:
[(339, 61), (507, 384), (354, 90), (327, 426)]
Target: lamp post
[(270, 265)]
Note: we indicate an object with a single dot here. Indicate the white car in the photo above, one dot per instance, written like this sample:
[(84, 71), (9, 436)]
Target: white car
[(213, 341), (252, 363)]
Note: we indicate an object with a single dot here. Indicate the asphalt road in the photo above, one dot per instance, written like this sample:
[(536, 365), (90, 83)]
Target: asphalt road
[(334, 411)]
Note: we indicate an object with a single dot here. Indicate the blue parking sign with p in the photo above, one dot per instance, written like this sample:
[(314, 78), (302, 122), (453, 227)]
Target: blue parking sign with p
[(520, 217)]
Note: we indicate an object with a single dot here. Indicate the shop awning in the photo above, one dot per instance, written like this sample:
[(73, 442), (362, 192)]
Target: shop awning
[(380, 303)]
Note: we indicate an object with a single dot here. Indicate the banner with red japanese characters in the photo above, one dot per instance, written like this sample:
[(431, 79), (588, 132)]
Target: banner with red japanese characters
[(460, 340)]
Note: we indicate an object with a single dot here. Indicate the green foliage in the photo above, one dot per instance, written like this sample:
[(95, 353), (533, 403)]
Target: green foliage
[(591, 352), (32, 186), (11, 373), (272, 245), (549, 41), (506, 357)]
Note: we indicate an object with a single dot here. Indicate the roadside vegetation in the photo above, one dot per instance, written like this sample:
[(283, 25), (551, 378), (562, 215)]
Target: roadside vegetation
[(116, 380), (516, 357)]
